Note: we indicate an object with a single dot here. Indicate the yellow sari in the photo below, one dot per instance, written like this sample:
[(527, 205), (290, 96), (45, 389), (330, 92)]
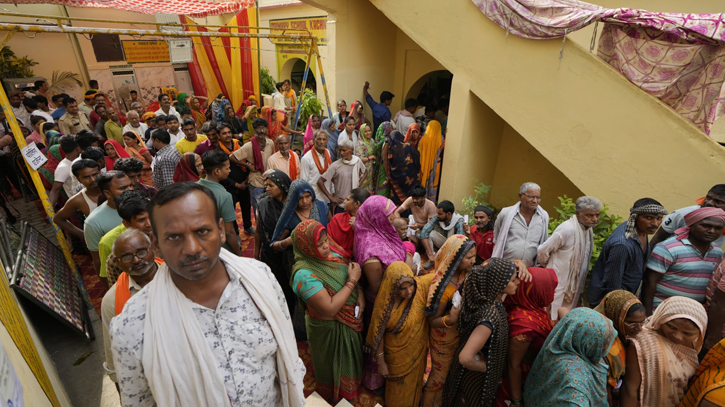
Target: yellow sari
[(430, 150), (709, 381), (146, 173), (405, 332)]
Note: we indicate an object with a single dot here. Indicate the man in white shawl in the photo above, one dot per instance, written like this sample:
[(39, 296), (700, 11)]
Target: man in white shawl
[(568, 252), (520, 229), (439, 228), (346, 174), (211, 329)]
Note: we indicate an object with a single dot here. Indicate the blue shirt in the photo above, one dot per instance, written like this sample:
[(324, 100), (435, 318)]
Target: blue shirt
[(58, 113), (434, 225), (620, 266), (381, 113)]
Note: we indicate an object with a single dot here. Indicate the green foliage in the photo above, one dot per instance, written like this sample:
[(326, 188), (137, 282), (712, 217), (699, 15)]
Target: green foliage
[(61, 78), (268, 82), (607, 224), (12, 66), (310, 105), (480, 194)]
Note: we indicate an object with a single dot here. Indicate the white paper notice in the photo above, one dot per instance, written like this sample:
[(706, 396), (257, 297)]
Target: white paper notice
[(33, 156)]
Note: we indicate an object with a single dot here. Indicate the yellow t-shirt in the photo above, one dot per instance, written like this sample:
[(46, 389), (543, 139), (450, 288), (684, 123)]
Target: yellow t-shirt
[(186, 146)]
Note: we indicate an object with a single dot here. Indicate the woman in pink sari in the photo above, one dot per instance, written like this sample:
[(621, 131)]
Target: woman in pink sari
[(377, 245), (312, 124)]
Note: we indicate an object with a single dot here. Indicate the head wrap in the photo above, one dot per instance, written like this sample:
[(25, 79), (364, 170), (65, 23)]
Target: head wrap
[(148, 115), (281, 179), (482, 287), (527, 308), (488, 212), (409, 133), (181, 98), (696, 216), (120, 153), (649, 209), (185, 169), (576, 346), (375, 236), (447, 261), (615, 306), (296, 189)]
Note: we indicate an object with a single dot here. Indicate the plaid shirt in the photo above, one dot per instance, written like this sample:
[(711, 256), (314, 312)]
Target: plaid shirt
[(164, 165), (434, 225)]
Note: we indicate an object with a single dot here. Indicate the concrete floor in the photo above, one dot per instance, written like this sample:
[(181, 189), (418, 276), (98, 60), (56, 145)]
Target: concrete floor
[(86, 384)]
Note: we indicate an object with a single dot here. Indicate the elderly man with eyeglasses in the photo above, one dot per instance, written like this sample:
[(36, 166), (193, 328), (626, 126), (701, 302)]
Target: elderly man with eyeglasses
[(138, 265), (520, 229)]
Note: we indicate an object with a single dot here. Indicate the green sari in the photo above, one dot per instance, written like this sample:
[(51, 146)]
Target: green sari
[(335, 346), (382, 186)]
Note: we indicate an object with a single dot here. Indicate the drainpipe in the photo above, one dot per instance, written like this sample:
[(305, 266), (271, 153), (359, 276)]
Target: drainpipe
[(73, 38)]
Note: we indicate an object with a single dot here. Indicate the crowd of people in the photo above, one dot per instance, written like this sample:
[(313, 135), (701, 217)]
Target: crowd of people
[(356, 254)]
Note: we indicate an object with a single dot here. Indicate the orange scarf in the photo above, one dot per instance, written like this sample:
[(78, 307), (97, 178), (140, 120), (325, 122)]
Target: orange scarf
[(328, 161), (123, 288), (235, 146), (294, 165)]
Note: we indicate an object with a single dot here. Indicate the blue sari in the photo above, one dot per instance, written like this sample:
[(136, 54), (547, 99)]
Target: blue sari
[(288, 219), (404, 162)]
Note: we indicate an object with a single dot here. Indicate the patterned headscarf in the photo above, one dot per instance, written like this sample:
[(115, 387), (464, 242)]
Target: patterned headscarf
[(281, 179), (615, 306), (527, 308), (395, 275), (447, 261), (375, 236), (667, 367), (568, 369), (296, 189), (483, 285), (330, 270), (649, 209)]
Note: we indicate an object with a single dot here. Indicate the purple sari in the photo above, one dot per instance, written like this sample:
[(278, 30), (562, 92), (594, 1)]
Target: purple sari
[(375, 237)]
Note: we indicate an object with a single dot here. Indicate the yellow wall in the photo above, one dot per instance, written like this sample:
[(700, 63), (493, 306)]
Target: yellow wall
[(276, 10), (607, 138)]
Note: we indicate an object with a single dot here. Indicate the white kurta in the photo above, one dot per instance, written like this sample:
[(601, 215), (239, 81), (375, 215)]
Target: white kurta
[(567, 251)]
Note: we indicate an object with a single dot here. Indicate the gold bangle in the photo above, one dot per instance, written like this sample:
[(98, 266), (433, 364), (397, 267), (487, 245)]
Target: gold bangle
[(380, 355), (443, 320)]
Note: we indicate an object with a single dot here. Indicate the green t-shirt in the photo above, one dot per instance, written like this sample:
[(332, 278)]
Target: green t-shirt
[(98, 223), (224, 202), (105, 246)]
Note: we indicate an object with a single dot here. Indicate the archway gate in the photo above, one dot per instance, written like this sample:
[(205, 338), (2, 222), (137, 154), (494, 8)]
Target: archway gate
[(163, 30)]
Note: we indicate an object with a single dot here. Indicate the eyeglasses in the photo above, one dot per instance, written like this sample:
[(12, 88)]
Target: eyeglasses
[(140, 253), (634, 325), (533, 198)]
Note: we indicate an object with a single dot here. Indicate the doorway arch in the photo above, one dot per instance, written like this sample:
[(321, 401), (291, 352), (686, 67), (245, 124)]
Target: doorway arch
[(436, 83), (294, 70)]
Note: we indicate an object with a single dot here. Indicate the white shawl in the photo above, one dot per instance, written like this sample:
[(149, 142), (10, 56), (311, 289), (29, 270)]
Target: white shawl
[(355, 173), (500, 242), (179, 364), (451, 227)]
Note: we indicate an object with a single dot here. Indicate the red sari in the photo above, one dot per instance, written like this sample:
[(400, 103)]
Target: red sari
[(528, 319), (120, 153), (341, 232)]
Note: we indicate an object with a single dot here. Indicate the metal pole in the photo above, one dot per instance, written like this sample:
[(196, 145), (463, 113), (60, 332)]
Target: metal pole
[(322, 76), (259, 57), (73, 38), (302, 88), (20, 140)]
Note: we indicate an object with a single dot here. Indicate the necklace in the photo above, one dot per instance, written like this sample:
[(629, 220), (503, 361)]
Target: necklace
[(303, 217)]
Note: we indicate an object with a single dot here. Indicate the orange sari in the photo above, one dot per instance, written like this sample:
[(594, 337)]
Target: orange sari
[(146, 173), (404, 330)]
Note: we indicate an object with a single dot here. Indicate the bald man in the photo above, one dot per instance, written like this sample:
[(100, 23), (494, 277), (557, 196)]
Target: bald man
[(136, 259), (134, 124), (285, 159)]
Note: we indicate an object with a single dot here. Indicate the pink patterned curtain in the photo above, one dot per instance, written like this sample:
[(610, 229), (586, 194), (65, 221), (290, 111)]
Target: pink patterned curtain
[(678, 58)]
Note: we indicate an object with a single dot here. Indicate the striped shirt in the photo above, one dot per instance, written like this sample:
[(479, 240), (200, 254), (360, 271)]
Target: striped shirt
[(685, 271)]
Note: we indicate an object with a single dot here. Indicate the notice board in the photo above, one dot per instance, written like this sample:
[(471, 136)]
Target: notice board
[(146, 51)]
